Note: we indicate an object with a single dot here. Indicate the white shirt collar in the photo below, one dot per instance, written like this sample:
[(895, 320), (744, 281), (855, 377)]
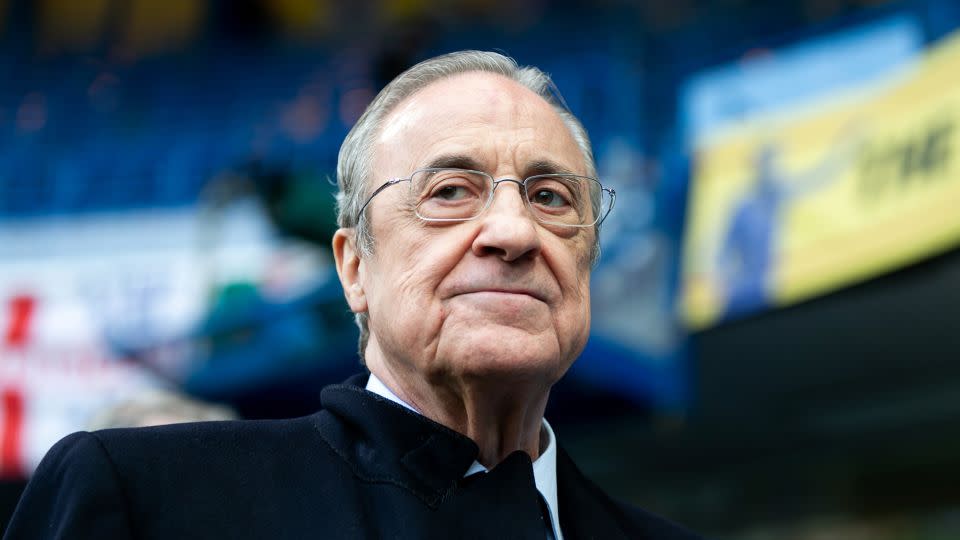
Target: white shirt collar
[(544, 467)]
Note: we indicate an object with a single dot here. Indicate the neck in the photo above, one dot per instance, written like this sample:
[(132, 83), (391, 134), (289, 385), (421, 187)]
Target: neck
[(500, 418)]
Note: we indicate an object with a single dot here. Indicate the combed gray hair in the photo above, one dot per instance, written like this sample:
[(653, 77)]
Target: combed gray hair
[(355, 160)]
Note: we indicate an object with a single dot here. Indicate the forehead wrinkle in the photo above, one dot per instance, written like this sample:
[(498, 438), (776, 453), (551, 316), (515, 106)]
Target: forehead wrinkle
[(491, 94), (531, 155), (406, 114), (497, 105)]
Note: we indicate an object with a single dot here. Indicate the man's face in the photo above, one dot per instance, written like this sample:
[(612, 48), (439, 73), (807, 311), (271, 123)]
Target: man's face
[(501, 294)]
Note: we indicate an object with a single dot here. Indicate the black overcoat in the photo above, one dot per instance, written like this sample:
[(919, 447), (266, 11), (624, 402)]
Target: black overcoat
[(361, 468)]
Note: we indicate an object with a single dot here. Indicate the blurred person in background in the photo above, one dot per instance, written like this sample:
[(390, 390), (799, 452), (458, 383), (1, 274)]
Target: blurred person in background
[(156, 408), (472, 302)]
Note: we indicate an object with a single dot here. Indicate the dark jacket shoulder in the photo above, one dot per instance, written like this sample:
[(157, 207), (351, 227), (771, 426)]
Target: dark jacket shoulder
[(174, 481), (362, 467)]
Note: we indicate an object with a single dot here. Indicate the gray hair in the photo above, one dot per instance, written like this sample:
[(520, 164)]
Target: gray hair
[(354, 162)]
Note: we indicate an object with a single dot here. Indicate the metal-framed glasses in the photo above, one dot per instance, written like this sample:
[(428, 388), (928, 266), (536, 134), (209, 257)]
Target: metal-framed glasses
[(449, 195)]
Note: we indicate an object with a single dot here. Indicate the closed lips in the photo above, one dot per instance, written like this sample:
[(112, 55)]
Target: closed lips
[(498, 290)]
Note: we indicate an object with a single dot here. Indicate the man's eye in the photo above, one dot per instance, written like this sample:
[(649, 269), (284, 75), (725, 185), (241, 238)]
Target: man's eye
[(547, 197), (451, 192)]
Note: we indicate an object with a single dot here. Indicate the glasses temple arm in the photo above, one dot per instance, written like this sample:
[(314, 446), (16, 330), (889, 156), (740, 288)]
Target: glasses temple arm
[(376, 192)]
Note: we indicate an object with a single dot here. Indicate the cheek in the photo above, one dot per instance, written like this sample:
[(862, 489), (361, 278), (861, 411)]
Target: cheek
[(409, 263), (573, 273), (578, 304), (421, 265), (572, 265), (574, 324)]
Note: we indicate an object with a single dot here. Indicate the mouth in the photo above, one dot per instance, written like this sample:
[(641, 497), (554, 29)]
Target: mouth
[(536, 295)]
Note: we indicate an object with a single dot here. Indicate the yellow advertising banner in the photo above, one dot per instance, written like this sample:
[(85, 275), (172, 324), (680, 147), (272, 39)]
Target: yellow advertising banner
[(798, 203)]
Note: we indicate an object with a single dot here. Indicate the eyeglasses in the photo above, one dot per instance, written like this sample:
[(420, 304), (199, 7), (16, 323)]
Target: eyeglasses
[(449, 195)]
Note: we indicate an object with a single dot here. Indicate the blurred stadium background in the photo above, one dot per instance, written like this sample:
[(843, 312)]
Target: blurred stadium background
[(774, 348)]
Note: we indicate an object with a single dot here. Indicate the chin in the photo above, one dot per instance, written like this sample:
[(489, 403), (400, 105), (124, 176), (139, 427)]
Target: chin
[(506, 353)]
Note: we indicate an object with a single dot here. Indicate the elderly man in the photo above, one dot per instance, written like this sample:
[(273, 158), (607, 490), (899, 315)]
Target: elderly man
[(469, 212)]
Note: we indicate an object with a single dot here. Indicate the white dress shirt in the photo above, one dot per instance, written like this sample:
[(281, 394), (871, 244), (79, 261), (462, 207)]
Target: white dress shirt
[(544, 467)]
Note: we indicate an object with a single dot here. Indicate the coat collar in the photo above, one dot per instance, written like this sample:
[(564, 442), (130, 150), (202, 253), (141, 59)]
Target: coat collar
[(384, 442), (544, 467)]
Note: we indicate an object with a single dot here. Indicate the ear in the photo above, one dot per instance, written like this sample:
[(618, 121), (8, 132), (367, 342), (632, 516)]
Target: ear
[(350, 269)]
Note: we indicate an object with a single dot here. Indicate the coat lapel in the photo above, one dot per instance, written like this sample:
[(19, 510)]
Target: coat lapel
[(585, 511)]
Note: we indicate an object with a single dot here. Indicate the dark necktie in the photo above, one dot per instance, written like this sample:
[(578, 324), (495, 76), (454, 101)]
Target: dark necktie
[(474, 483)]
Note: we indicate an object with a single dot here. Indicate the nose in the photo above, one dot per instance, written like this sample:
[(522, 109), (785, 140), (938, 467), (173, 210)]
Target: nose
[(507, 229)]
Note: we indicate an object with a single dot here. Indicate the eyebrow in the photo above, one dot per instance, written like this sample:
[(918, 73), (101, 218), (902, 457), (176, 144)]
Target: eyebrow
[(546, 166), (462, 161), (455, 161)]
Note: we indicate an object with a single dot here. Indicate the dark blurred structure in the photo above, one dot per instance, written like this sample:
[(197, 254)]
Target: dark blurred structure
[(206, 132)]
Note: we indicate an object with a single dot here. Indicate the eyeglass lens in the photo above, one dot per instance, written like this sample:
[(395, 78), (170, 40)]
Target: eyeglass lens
[(452, 194)]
